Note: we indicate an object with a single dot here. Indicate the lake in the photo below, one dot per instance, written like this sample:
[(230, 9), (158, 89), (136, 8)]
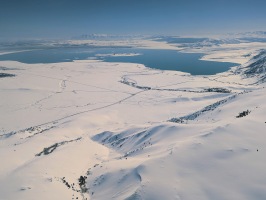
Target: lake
[(153, 58)]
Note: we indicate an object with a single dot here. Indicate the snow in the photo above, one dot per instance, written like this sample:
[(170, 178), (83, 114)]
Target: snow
[(118, 54), (10, 52), (115, 123)]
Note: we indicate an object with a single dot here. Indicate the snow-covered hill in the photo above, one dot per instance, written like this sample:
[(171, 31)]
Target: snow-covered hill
[(256, 67), (95, 130)]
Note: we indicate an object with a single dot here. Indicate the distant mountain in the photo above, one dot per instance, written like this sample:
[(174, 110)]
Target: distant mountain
[(196, 42), (104, 37), (254, 34)]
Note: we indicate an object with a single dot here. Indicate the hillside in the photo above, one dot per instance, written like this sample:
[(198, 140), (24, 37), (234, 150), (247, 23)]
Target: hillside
[(96, 130)]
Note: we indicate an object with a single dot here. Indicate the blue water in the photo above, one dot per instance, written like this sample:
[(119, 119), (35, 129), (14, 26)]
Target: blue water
[(153, 58)]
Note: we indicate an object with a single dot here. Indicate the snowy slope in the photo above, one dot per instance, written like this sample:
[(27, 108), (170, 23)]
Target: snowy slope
[(217, 157), (95, 130), (256, 67)]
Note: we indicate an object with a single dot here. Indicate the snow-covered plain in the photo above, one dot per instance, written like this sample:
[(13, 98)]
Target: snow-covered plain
[(97, 130)]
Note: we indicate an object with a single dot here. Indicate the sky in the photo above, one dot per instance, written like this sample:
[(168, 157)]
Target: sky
[(67, 18)]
